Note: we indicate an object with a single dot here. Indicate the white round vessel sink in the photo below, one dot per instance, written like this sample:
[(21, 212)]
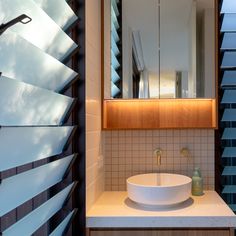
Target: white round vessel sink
[(159, 189)]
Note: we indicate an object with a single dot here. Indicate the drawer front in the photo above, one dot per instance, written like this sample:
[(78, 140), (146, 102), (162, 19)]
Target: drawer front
[(174, 232)]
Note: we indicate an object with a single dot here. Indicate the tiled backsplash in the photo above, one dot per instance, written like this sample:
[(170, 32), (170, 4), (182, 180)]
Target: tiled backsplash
[(129, 153)]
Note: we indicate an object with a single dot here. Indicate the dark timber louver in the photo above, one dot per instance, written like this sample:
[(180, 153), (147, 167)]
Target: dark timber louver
[(227, 99)]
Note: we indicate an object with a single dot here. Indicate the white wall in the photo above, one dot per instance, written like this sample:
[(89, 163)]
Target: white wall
[(144, 19), (127, 80), (174, 35), (94, 153), (107, 49), (209, 53), (192, 47)]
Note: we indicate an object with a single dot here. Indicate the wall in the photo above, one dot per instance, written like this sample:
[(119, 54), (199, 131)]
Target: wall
[(107, 49), (94, 155), (192, 46), (129, 153), (209, 53), (127, 62)]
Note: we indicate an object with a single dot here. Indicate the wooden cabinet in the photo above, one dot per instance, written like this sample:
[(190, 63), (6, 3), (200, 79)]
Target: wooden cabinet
[(159, 114), (164, 232)]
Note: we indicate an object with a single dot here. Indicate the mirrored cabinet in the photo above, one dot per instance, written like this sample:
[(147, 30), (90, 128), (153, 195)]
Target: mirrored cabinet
[(159, 49), (159, 55)]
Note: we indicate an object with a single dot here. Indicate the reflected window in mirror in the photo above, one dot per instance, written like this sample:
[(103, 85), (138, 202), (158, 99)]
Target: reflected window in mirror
[(135, 78), (116, 49)]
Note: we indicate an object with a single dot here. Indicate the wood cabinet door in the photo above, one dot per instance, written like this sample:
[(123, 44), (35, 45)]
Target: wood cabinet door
[(174, 232)]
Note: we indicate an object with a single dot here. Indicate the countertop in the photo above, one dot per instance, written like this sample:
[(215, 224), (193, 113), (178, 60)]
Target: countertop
[(114, 209)]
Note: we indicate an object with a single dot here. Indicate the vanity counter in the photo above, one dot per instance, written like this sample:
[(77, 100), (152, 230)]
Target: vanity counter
[(115, 210)]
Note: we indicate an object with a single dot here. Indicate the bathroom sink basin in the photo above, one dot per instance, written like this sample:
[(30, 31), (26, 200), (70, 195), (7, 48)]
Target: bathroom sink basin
[(159, 189)]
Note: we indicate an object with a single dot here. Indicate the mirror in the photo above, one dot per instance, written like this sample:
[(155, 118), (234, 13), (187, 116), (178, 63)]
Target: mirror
[(159, 49)]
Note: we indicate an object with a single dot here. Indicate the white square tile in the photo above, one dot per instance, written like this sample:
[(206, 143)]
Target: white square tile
[(136, 155)]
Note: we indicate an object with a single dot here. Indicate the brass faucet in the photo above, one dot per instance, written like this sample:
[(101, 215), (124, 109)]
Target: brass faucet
[(158, 153)]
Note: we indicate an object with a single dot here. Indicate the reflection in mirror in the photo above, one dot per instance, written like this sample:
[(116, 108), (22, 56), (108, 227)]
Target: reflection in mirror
[(116, 42), (159, 49)]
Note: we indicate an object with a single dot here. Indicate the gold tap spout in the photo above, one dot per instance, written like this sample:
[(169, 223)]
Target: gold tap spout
[(158, 153)]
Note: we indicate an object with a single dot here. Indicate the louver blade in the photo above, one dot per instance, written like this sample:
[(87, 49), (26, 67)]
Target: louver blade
[(229, 60), (229, 152), (33, 221), (23, 104), (233, 206), (228, 6), (114, 34), (114, 75), (229, 115), (114, 61), (229, 79), (114, 6), (42, 31), (229, 41), (114, 18), (114, 90), (229, 170), (23, 61), (62, 15), (229, 23), (229, 133), (114, 47), (229, 189), (30, 144), (60, 230), (20, 188), (229, 97)]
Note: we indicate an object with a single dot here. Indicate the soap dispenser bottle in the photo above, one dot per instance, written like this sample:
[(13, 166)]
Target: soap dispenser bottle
[(197, 183)]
